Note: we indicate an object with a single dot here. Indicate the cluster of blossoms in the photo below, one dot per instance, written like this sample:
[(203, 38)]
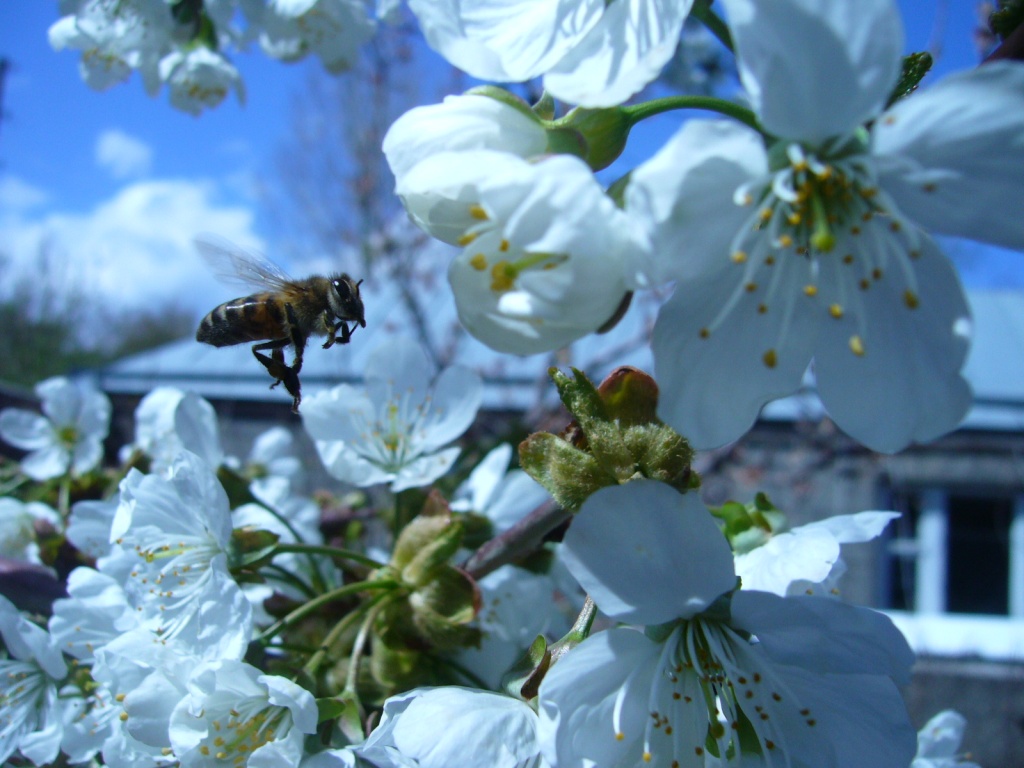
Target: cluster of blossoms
[(212, 622), (182, 43), (217, 615)]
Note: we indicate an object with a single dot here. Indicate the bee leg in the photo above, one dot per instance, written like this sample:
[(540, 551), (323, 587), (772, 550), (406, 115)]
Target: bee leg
[(346, 334), (275, 363)]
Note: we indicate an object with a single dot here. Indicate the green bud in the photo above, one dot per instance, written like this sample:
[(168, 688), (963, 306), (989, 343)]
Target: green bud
[(433, 617), (616, 437)]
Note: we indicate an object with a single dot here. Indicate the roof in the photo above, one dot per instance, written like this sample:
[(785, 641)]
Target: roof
[(995, 365)]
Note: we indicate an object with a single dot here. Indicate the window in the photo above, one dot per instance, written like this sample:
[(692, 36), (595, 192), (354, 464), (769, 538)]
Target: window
[(955, 552)]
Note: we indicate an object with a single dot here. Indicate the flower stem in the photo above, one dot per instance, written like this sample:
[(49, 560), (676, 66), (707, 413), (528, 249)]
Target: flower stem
[(311, 666), (336, 552), (715, 25), (352, 676), (638, 112), (316, 603)]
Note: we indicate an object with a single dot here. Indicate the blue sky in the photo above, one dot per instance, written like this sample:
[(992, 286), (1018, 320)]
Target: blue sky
[(119, 182)]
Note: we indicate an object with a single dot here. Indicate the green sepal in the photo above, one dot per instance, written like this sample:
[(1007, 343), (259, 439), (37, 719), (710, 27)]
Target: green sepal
[(604, 133), (523, 678), (505, 97), (915, 67), (236, 487), (569, 474), (434, 616), (345, 710), (544, 108)]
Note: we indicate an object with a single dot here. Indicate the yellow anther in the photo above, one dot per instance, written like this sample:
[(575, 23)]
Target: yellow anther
[(765, 214), (647, 757), (739, 257), (750, 287), (931, 186), (810, 290), (848, 259), (123, 716), (836, 311), (620, 736), (478, 262), (770, 358), (762, 309), (857, 346), (502, 277), (503, 246), (784, 241), (477, 212), (794, 219), (876, 273), (910, 299), (894, 226), (704, 333), (864, 284), (466, 239), (769, 260)]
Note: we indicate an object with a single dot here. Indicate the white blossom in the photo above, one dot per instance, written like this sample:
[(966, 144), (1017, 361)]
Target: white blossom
[(68, 437), (199, 79), (31, 719), (546, 255), (393, 431), (233, 712), (819, 246), (938, 743), (332, 29), (17, 528), (169, 420), (803, 679)]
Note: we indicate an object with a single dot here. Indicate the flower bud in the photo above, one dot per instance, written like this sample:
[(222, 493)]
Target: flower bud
[(614, 438)]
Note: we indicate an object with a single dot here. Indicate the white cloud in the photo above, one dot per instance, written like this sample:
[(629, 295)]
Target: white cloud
[(19, 195), (121, 155), (135, 249)]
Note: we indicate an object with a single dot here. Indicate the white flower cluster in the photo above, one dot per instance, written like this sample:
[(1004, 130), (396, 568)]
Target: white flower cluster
[(798, 231), (182, 44)]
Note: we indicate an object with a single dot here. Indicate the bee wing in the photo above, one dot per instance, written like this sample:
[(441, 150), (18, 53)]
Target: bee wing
[(236, 265)]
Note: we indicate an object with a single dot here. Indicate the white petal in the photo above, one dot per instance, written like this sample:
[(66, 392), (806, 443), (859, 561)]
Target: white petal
[(195, 422), (440, 191), (601, 686), (505, 40), (341, 413), (647, 554), (907, 385), (459, 123), (344, 463), (25, 429), (88, 453), (475, 493), (816, 69), (852, 529), (855, 716), (424, 470), (689, 182), (458, 392), (824, 635), (62, 400), (402, 366), (47, 463), (625, 51), (482, 729), (941, 737), (950, 155), (788, 557), (713, 387), (94, 416)]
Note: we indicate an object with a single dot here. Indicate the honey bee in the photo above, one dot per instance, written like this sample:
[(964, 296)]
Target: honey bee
[(285, 312)]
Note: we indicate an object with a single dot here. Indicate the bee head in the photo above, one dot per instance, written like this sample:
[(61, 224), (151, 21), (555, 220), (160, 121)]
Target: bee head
[(345, 301)]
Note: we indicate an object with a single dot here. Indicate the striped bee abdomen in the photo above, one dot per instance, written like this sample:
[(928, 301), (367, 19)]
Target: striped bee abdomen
[(250, 318)]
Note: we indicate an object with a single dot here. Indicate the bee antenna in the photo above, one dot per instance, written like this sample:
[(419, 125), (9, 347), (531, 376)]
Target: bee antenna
[(360, 282)]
